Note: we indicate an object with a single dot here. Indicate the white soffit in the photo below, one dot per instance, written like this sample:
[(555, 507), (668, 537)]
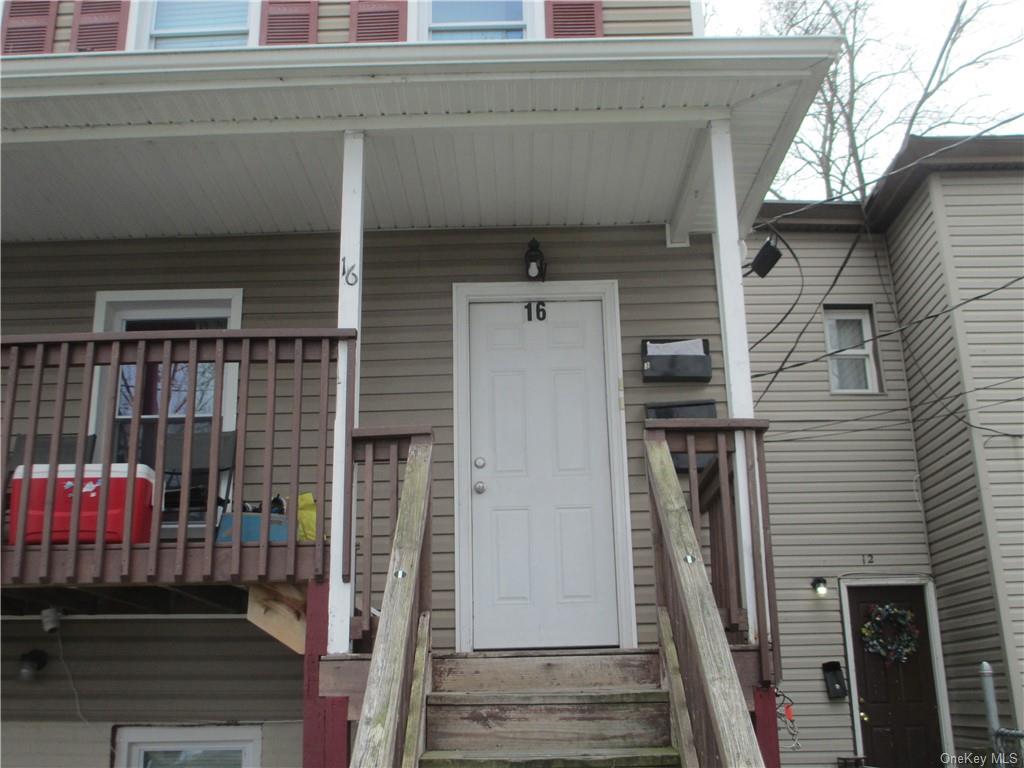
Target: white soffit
[(237, 142)]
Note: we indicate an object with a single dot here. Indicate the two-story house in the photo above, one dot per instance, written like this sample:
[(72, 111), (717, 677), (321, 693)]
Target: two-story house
[(482, 276)]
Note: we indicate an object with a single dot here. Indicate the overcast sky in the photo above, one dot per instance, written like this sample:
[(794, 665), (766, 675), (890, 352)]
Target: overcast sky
[(918, 27)]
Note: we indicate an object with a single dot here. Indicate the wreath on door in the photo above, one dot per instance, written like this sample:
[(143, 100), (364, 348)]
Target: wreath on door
[(891, 633)]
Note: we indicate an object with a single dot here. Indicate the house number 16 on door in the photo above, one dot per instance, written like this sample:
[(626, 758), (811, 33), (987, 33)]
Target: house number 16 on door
[(535, 310)]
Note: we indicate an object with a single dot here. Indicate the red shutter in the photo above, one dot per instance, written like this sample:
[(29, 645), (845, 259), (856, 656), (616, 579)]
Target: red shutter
[(99, 25), (377, 21), (571, 18), (288, 22), (28, 27)]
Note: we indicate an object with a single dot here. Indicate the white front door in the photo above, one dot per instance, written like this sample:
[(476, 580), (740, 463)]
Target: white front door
[(543, 544)]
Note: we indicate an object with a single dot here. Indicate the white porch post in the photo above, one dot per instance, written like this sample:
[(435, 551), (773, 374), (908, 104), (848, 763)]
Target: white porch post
[(350, 300), (733, 319)]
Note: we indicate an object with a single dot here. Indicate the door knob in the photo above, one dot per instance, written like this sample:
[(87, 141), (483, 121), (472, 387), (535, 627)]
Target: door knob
[(479, 462), (863, 717), (479, 486)]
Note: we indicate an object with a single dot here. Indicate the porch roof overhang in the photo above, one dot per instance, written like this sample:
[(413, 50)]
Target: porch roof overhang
[(547, 133)]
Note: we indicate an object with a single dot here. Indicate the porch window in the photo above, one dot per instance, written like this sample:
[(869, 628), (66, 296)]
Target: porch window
[(181, 24), (188, 747), (852, 365), (471, 20)]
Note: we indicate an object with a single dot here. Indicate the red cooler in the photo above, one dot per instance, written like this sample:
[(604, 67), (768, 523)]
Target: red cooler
[(142, 515)]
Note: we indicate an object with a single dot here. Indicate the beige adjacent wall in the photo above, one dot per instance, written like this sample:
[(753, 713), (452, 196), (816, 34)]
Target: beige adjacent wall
[(960, 236), (984, 231), (839, 497)]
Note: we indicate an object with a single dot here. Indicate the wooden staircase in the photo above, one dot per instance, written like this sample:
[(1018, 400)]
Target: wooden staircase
[(548, 708), (680, 704)]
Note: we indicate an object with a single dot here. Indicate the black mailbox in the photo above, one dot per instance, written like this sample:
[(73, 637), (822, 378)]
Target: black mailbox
[(675, 360), (835, 681)]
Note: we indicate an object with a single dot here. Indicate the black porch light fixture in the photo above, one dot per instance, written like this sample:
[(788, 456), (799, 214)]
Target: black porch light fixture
[(536, 268), (767, 257), (820, 586)]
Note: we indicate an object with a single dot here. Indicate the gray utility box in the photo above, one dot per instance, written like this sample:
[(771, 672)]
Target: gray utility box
[(675, 360)]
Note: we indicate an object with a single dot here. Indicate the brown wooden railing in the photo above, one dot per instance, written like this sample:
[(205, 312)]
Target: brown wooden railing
[(704, 453), (378, 455), (710, 695), (392, 705), (198, 423)]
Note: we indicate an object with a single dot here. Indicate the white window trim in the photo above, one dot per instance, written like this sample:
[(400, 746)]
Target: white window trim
[(131, 740), (864, 315), (142, 15), (934, 640), (113, 308), (419, 14)]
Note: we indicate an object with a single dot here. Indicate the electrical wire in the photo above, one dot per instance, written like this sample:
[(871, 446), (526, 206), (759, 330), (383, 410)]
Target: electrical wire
[(891, 424), (890, 296), (894, 172), (868, 416), (905, 326), (775, 374), (71, 679), (799, 294)]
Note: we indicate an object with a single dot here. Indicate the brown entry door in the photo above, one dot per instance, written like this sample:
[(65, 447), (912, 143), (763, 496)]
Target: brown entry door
[(899, 713)]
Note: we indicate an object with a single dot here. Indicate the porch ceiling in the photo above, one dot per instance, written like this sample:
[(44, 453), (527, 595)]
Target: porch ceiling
[(238, 142)]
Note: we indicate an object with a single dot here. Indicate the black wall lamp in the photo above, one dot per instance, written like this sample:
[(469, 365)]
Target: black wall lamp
[(820, 586), (536, 268)]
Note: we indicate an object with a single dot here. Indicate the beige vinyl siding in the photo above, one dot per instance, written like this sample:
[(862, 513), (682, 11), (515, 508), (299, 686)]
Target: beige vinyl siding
[(968, 611), (332, 21), (62, 34), (407, 349), (638, 18), (835, 498), (407, 333), (27, 744), (153, 670), (983, 215)]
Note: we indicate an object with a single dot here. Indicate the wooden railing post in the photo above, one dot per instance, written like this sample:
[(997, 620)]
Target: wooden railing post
[(381, 724), (723, 733)]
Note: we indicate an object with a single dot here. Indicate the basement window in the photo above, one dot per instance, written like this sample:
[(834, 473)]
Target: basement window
[(208, 746), (852, 364)]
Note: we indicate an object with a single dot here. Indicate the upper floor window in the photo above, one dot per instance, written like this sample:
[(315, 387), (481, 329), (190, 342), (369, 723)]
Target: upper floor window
[(182, 24), (477, 20), (848, 335)]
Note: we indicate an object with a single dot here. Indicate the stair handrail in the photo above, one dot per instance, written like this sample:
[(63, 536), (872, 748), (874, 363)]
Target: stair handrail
[(722, 729), (380, 735)]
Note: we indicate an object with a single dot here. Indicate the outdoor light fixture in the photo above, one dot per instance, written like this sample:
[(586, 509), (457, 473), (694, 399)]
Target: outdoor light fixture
[(536, 269), (766, 258), (31, 663), (820, 586)]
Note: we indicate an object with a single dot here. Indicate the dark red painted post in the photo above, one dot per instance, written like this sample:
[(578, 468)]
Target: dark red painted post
[(766, 727), (324, 719)]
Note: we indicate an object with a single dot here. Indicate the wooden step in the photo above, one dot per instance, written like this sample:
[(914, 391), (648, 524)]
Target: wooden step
[(640, 757), (541, 670), (563, 721)]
